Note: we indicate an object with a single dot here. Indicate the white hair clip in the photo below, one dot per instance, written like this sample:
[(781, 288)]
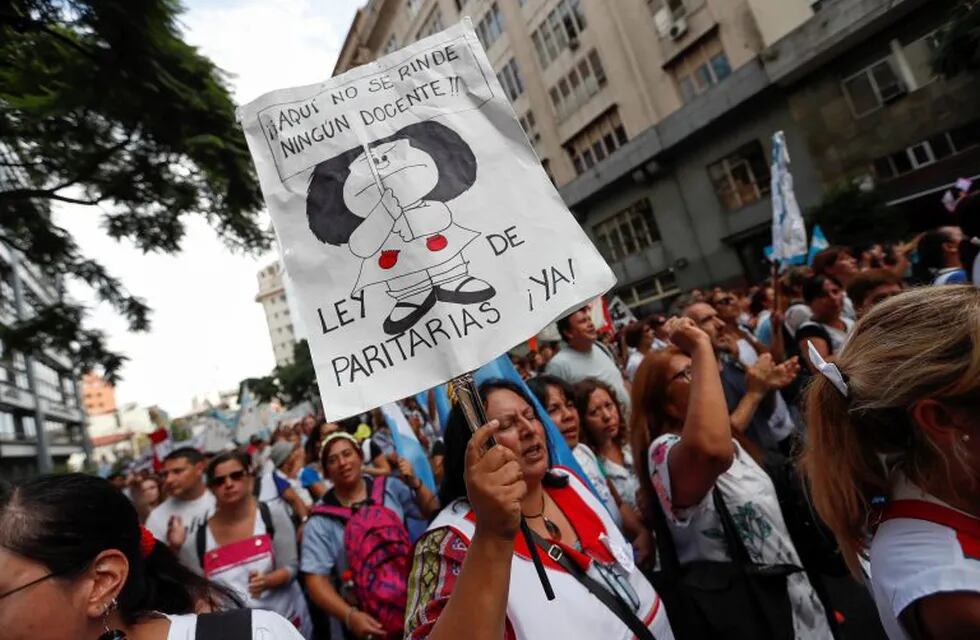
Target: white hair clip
[(828, 370)]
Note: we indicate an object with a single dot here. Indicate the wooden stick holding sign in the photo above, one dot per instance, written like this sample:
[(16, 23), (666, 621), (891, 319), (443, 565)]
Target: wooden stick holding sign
[(468, 396)]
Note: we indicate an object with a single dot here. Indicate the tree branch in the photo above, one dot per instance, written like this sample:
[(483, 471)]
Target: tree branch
[(48, 194)]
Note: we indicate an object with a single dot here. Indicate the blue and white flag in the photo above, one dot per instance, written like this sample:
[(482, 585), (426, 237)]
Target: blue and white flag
[(558, 451), (818, 242), (788, 229), (442, 408), (407, 445)]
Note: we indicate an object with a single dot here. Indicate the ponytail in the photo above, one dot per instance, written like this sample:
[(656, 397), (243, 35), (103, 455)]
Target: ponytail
[(924, 343)]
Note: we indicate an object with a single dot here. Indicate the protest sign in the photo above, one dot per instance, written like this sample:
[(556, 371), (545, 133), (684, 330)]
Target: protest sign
[(418, 228)]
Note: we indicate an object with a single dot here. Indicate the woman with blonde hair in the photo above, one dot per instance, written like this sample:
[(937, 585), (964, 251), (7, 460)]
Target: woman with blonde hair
[(892, 453)]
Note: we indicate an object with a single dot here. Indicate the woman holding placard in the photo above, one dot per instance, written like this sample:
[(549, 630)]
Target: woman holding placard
[(472, 576)]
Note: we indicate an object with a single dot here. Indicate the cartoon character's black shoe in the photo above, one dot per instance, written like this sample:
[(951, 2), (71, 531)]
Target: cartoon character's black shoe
[(407, 313), (469, 290)]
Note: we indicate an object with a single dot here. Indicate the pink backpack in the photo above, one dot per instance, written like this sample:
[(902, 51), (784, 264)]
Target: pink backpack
[(379, 555)]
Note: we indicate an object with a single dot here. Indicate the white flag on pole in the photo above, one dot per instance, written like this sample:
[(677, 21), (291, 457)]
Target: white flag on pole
[(788, 230)]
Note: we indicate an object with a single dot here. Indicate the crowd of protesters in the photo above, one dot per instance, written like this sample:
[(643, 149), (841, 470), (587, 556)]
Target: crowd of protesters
[(734, 458)]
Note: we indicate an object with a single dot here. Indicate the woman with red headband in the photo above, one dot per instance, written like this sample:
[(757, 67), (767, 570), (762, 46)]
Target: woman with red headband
[(75, 563)]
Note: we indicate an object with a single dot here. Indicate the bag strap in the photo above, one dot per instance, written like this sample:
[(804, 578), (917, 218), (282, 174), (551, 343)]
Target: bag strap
[(377, 490), (201, 542), (932, 512), (266, 516), (612, 602), (233, 624), (736, 547), (669, 562), (341, 513)]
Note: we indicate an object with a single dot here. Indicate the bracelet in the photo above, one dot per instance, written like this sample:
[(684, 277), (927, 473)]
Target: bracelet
[(350, 612)]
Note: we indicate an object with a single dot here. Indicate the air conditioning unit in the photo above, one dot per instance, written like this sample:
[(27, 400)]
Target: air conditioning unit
[(678, 29)]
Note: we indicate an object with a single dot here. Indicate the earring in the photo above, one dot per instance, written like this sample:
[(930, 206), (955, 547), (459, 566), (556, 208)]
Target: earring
[(966, 437), (111, 634)]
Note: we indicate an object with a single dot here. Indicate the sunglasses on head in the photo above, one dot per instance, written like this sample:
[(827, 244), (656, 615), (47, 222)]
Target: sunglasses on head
[(236, 476)]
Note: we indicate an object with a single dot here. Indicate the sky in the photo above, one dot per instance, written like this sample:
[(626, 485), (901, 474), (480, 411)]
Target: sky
[(208, 333)]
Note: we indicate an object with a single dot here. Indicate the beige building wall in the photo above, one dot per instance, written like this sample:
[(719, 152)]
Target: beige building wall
[(272, 297), (98, 396), (654, 55)]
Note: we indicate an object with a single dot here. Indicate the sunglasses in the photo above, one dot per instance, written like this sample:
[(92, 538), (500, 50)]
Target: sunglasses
[(236, 476)]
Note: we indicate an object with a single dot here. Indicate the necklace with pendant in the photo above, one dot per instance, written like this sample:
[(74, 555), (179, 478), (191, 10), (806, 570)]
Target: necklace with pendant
[(552, 528)]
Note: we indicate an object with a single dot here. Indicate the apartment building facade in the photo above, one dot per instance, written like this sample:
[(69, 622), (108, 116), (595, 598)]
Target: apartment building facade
[(41, 420), (272, 297), (654, 117)]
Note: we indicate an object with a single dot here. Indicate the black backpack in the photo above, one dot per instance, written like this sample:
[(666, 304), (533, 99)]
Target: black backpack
[(202, 535)]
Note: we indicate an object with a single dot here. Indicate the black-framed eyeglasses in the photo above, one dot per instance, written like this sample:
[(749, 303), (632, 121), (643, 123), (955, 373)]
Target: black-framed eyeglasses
[(30, 584), (236, 476), (683, 373)]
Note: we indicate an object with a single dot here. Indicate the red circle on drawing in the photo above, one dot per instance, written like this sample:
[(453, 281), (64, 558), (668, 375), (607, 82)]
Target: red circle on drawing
[(437, 242), (388, 258)]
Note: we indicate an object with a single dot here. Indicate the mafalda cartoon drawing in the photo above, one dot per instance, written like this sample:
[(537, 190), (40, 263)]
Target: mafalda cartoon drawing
[(395, 217)]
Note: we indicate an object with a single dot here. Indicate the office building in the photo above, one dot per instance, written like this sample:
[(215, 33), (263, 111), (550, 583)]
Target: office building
[(654, 117), (272, 297), (41, 419)]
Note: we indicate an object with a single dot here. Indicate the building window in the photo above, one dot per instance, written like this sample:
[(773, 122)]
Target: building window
[(8, 426), (28, 427), (872, 87), (919, 55), (656, 287), (433, 24), (413, 7), (490, 27), (594, 143), (560, 30), (584, 80), (391, 45), (701, 68), (510, 80), (926, 152), (530, 126), (629, 231), (741, 178)]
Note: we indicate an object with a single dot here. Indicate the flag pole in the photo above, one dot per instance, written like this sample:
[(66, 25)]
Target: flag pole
[(468, 395)]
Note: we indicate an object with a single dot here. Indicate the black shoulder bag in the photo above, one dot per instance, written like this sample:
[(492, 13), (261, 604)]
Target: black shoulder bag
[(735, 600), (613, 602)]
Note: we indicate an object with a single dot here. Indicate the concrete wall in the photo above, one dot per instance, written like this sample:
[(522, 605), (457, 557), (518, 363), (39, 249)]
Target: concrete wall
[(690, 217), (776, 19)]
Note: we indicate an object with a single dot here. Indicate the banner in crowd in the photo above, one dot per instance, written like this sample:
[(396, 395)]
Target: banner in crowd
[(818, 242), (419, 230), (788, 229), (620, 313)]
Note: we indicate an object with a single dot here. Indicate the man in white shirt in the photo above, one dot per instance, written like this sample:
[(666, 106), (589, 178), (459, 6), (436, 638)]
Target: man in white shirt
[(584, 358), (190, 503)]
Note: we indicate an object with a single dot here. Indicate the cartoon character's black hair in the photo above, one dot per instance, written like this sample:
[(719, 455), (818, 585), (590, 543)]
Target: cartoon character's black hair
[(330, 219)]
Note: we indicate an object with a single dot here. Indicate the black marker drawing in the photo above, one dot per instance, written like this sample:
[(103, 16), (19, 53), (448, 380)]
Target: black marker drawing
[(389, 206)]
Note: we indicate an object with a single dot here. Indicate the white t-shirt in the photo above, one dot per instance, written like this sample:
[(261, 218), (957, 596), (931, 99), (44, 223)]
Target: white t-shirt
[(912, 559), (266, 625), (837, 337), (193, 513), (751, 499), (587, 459), (747, 354), (623, 477), (574, 366), (633, 363)]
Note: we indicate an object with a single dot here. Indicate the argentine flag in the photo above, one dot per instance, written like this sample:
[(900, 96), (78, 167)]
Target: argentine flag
[(788, 230), (407, 445), (818, 242)]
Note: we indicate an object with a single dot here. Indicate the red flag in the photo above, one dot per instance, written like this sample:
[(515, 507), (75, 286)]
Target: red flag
[(162, 445)]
